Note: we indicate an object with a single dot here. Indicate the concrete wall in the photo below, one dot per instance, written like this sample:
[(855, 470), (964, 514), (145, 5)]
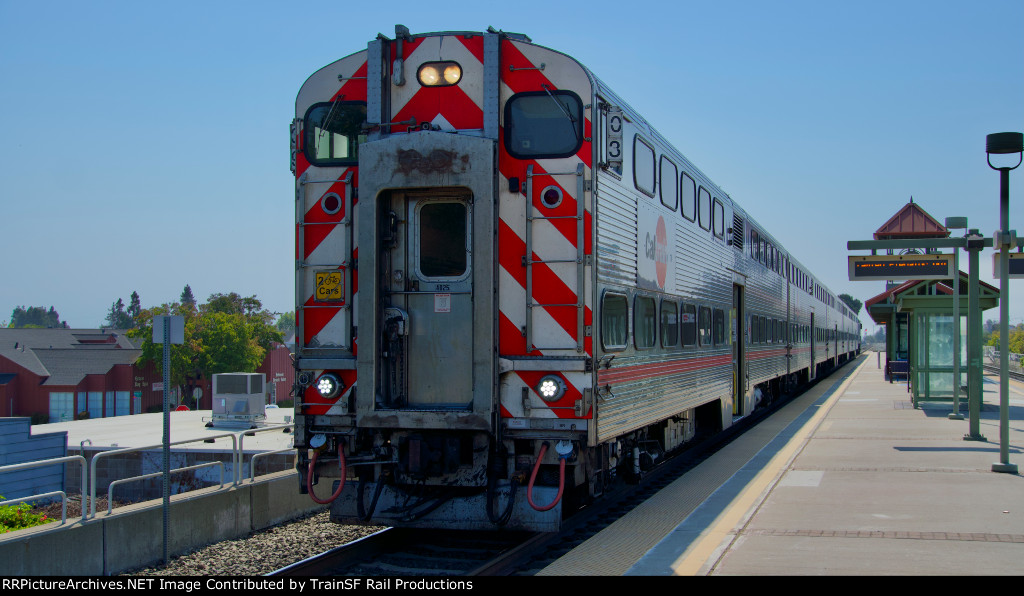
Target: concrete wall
[(132, 537)]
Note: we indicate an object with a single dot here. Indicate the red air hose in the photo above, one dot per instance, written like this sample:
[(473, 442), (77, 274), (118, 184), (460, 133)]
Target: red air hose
[(533, 476), (341, 483)]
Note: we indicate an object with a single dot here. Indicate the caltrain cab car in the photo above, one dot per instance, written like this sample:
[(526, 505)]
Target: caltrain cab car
[(511, 291)]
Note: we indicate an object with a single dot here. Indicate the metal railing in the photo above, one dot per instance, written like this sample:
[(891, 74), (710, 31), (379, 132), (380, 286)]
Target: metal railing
[(48, 462), (241, 449), (92, 467), (110, 487), (88, 480)]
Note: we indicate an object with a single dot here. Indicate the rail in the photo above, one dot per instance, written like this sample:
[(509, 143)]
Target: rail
[(39, 464)]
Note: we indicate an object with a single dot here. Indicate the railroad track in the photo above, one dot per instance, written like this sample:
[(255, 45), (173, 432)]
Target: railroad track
[(397, 552), (426, 553), (994, 369)]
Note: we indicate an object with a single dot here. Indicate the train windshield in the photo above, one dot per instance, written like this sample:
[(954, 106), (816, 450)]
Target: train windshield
[(543, 124), (333, 133)]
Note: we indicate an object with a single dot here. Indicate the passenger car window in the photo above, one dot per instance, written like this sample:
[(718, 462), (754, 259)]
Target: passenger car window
[(613, 321), (645, 326), (669, 183), (718, 326), (704, 208), (704, 326), (689, 208), (718, 218), (669, 324), (689, 324), (643, 166)]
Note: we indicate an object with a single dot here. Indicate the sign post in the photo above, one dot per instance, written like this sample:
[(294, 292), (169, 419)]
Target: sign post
[(167, 330)]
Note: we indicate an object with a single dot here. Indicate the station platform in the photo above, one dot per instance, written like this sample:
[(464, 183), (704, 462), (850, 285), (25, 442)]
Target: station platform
[(142, 430), (847, 479)]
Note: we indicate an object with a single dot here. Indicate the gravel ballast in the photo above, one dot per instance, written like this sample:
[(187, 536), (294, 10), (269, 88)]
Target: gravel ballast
[(263, 552)]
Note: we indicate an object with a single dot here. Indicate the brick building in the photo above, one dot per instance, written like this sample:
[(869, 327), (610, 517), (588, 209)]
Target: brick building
[(57, 374)]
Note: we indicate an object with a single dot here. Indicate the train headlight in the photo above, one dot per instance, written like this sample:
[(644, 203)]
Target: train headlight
[(329, 386), (550, 388), (439, 74)]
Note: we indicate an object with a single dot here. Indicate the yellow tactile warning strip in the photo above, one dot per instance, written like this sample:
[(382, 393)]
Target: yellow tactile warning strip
[(617, 548)]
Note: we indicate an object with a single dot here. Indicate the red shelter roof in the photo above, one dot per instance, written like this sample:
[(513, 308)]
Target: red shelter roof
[(911, 222)]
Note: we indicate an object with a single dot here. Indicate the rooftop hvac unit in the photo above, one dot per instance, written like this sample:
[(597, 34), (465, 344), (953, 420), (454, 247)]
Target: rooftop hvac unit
[(239, 400)]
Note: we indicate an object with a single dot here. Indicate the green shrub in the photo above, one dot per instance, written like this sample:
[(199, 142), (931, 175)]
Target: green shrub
[(18, 517)]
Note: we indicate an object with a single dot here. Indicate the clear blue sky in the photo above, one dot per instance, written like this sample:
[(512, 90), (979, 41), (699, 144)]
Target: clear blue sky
[(144, 146)]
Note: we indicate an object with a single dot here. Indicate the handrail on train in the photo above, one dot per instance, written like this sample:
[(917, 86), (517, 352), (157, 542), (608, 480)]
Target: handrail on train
[(48, 462)]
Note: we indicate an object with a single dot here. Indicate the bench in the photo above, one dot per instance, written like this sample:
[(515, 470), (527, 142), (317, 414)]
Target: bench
[(898, 368)]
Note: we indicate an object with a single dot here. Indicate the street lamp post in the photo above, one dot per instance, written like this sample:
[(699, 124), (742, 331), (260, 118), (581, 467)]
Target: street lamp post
[(1002, 143)]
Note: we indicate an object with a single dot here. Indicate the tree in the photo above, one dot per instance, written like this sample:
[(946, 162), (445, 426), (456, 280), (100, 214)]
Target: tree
[(36, 316), (227, 334), (286, 324), (135, 308), (854, 304), (117, 317), (187, 299)]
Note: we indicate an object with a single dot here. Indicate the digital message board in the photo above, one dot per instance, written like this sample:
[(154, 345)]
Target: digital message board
[(1016, 265), (884, 267)]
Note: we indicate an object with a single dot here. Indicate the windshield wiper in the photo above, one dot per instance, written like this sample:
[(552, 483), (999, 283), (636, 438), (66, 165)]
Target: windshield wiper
[(561, 107)]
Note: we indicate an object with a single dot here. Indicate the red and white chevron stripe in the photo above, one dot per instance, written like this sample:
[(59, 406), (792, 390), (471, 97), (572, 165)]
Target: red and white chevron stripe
[(554, 328)]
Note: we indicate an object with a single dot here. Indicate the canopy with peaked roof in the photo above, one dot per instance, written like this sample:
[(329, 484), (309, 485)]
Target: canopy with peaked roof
[(911, 222)]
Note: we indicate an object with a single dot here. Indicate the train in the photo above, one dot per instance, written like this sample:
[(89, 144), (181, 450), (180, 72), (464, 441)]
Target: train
[(512, 292)]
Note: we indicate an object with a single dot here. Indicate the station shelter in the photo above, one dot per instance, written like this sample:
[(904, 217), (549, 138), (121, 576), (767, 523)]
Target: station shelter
[(918, 316)]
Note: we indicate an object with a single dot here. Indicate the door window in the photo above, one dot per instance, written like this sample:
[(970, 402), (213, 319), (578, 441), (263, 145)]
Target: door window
[(443, 232)]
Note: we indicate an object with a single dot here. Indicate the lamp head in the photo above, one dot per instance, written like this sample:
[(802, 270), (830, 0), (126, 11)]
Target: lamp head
[(1001, 143), (1004, 142)]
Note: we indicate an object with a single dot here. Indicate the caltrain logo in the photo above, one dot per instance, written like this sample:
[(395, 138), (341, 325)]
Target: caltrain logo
[(656, 249)]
